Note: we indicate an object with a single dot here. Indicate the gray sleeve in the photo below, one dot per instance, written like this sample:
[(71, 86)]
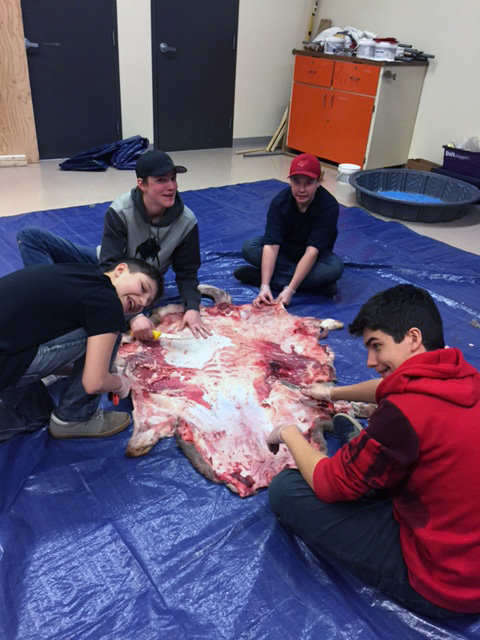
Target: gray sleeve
[(114, 240)]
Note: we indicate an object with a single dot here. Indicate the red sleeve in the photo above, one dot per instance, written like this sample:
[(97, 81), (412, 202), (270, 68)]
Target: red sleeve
[(376, 459)]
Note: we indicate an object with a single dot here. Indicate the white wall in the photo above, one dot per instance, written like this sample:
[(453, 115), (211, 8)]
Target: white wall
[(450, 104), (135, 59), (268, 31)]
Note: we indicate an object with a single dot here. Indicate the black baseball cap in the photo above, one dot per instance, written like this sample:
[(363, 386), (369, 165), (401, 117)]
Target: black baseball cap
[(155, 163)]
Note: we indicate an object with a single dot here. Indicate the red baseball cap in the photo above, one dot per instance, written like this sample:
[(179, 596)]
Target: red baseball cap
[(306, 165)]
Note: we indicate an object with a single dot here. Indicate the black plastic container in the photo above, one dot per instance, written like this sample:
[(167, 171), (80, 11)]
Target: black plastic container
[(456, 195)]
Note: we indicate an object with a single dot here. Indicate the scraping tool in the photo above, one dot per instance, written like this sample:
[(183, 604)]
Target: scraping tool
[(170, 336), (290, 385)]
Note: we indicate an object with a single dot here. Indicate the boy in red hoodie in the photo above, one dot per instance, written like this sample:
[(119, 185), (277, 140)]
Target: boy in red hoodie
[(421, 544)]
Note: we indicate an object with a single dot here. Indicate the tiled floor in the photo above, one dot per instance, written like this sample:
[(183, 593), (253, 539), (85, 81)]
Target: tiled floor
[(44, 186)]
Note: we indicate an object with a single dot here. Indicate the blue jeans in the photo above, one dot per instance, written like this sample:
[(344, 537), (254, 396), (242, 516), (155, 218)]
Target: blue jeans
[(362, 535), (27, 405), (328, 267), (38, 246)]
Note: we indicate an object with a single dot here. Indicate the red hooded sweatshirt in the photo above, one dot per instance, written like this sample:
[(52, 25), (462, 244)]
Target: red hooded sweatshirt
[(423, 444)]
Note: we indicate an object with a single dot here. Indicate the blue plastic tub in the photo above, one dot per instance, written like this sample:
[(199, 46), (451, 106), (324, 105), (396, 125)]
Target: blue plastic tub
[(416, 196)]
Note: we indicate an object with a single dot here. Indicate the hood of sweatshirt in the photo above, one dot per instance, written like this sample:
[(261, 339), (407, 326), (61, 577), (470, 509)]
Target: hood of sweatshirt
[(443, 373)]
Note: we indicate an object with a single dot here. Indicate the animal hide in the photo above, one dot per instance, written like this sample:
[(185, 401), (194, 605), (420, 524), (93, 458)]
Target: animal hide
[(222, 395)]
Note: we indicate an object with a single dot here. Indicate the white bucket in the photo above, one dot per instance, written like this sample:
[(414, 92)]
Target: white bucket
[(334, 45), (345, 170), (385, 51), (366, 48)]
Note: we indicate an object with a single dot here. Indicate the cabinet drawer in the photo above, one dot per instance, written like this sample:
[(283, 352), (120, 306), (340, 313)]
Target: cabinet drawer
[(313, 71), (359, 78)]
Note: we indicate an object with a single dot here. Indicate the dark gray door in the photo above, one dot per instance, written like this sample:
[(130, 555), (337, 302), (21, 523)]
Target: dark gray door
[(73, 74), (194, 56)]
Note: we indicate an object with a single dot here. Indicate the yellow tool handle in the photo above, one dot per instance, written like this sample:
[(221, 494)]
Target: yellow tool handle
[(170, 336)]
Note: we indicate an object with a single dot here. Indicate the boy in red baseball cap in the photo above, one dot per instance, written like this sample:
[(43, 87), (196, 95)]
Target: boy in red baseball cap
[(296, 251)]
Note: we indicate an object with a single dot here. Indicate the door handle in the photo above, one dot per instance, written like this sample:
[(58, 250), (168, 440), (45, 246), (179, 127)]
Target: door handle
[(164, 48), (30, 45)]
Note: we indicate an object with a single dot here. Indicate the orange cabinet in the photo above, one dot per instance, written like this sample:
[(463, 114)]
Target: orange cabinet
[(360, 78), (351, 114), (329, 124), (313, 71), (308, 105), (349, 111)]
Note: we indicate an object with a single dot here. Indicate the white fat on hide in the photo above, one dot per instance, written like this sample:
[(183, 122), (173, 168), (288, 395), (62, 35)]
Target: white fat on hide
[(222, 395), (195, 353)]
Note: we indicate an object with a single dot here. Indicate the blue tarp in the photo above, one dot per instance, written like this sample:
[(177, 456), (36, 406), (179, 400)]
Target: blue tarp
[(97, 546), (122, 154)]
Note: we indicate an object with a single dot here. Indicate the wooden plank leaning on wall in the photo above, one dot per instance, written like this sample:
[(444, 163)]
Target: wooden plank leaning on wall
[(17, 124)]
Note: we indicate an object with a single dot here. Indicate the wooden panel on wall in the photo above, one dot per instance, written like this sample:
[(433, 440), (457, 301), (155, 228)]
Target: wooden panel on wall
[(17, 124)]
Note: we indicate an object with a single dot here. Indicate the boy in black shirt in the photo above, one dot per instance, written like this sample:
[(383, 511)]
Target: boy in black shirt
[(58, 315), (150, 222), (296, 251)]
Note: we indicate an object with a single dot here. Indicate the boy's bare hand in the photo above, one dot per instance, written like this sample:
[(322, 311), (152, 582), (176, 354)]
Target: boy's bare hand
[(141, 328), (193, 320)]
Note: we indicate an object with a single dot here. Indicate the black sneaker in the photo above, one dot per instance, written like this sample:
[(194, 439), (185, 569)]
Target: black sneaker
[(329, 290), (249, 275), (345, 428)]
